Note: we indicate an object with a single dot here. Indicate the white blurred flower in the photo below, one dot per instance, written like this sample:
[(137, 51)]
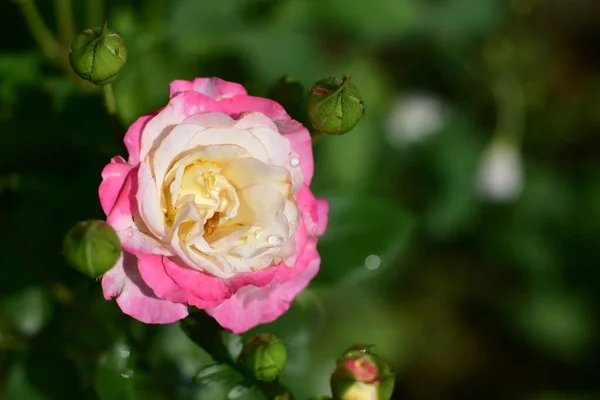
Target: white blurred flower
[(500, 175), (413, 117)]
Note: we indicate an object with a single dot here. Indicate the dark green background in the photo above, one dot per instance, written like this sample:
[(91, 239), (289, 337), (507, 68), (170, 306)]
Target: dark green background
[(473, 300)]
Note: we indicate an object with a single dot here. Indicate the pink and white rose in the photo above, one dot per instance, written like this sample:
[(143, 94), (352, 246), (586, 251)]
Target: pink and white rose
[(213, 209)]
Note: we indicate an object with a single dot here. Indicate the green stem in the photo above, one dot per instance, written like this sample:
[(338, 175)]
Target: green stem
[(109, 100), (95, 11), (64, 19), (43, 36), (111, 109)]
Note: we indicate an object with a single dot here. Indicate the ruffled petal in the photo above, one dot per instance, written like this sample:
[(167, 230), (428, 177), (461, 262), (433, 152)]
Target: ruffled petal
[(124, 219), (153, 273), (210, 288), (180, 107), (214, 87), (113, 178), (252, 306), (133, 137), (301, 142), (124, 283), (178, 86), (238, 105)]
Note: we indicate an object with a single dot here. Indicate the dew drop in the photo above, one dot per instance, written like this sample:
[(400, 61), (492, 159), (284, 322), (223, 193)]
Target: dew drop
[(274, 240), (130, 232), (294, 162)]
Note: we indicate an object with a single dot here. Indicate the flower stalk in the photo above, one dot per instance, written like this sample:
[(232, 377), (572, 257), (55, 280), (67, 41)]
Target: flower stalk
[(64, 19), (40, 31)]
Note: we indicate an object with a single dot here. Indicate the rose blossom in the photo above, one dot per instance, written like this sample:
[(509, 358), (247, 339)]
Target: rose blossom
[(213, 209)]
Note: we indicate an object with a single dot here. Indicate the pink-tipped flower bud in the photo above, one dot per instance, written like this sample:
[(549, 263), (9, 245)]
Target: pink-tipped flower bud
[(362, 375)]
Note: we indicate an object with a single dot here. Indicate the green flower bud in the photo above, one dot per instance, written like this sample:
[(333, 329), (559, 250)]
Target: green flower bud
[(334, 106), (264, 355), (92, 247), (360, 375), (98, 55)]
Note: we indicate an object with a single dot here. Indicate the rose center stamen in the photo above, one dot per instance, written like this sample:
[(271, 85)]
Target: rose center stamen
[(211, 224)]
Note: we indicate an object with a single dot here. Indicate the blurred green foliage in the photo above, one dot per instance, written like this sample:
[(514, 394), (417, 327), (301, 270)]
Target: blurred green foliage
[(467, 298)]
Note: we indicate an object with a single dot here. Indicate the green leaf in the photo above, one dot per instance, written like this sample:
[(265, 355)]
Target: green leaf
[(246, 391), (28, 310), (115, 376), (363, 234), (18, 386), (215, 381), (174, 347)]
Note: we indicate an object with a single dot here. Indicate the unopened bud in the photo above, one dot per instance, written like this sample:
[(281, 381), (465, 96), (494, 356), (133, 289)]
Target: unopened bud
[(362, 375), (92, 247), (334, 105), (98, 55), (264, 355)]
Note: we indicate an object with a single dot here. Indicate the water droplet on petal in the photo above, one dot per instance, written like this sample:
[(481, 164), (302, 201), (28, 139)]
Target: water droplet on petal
[(294, 162), (275, 240), (130, 232)]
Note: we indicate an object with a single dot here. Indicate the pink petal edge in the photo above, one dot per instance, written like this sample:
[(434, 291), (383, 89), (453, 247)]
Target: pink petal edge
[(301, 142), (210, 288), (213, 87), (122, 216), (133, 137), (252, 306), (113, 178), (153, 273), (124, 284)]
